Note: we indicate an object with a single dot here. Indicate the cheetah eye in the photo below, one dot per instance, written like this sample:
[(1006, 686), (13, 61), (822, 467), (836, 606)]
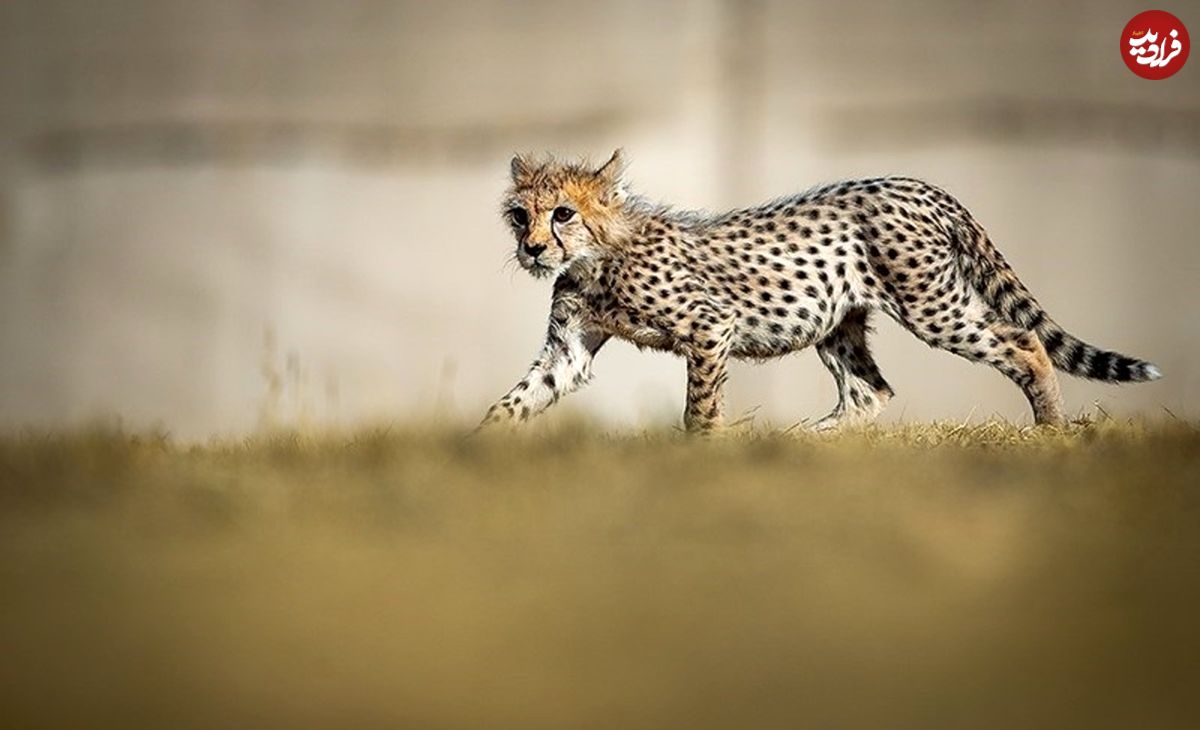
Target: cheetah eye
[(563, 214), (519, 217)]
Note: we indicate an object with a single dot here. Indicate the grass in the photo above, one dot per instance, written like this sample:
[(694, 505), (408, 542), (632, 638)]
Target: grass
[(916, 577)]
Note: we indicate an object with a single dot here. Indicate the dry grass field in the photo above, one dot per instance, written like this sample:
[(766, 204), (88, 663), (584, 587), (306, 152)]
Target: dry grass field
[(941, 576)]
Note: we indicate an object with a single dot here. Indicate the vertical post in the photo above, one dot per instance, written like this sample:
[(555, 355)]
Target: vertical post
[(743, 100)]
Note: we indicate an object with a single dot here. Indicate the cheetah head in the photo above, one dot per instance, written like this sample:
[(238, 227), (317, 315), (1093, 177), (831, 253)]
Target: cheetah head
[(563, 213)]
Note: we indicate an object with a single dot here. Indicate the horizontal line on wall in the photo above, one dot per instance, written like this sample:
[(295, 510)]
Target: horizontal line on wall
[(257, 141), (1140, 127)]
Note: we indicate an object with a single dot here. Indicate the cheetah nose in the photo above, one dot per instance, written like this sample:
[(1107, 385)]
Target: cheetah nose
[(534, 249)]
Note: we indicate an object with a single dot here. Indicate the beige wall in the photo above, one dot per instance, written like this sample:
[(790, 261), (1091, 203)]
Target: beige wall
[(180, 178)]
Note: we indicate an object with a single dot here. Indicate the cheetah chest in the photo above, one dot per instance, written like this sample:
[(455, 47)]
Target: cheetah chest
[(620, 317)]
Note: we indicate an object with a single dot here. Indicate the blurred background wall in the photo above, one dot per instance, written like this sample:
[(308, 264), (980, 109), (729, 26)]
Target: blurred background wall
[(219, 214)]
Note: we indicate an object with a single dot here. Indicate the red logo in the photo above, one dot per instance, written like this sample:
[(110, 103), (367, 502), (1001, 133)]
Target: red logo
[(1155, 44)]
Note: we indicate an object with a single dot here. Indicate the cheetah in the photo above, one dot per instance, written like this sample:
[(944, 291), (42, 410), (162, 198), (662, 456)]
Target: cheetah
[(761, 282)]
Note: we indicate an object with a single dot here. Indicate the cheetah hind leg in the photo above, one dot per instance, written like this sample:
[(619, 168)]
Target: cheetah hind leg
[(862, 391), (1016, 352)]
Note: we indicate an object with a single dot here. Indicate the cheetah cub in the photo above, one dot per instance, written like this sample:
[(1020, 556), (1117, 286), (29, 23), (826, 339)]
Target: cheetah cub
[(765, 281)]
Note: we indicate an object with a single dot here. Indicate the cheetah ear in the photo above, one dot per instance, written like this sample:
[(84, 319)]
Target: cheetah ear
[(612, 171), (611, 178), (520, 167)]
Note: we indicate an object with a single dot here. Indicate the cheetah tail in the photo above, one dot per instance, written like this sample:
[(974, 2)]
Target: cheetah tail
[(995, 279), (1072, 355)]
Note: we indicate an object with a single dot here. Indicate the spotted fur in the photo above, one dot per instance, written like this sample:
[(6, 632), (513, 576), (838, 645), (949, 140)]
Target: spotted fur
[(762, 282)]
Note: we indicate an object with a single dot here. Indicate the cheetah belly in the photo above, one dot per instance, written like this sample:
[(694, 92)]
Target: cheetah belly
[(756, 336)]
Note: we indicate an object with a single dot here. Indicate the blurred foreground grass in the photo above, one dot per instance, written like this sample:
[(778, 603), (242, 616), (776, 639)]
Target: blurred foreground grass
[(919, 577)]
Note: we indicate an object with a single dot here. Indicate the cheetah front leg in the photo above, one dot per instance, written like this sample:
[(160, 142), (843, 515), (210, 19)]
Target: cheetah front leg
[(862, 391), (564, 364), (707, 371)]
